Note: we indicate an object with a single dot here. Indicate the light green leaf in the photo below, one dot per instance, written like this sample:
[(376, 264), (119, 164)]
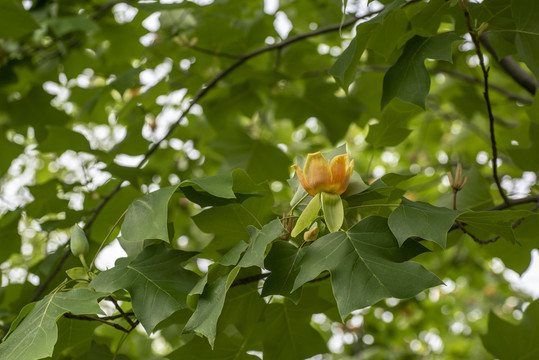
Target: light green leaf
[(218, 186), (146, 217), (422, 219), (507, 341), (333, 211), (156, 280), (210, 304), (308, 215), (366, 265), (259, 241), (37, 333), (408, 78)]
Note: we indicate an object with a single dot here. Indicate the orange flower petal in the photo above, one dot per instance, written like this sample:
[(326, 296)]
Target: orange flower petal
[(317, 172), (343, 185), (339, 166), (303, 181)]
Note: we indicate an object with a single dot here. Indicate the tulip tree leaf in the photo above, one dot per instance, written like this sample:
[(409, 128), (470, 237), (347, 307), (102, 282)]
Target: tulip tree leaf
[(146, 217), (408, 78), (366, 265), (37, 333), (209, 307), (282, 261), (507, 341), (422, 219), (156, 280), (308, 215), (260, 239)]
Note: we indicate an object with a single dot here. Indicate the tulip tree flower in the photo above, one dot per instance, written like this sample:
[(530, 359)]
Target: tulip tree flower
[(325, 181)]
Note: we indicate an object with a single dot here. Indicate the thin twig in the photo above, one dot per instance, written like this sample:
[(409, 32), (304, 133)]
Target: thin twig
[(93, 318), (487, 101), (120, 310)]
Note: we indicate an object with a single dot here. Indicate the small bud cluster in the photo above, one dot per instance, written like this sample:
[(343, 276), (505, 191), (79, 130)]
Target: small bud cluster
[(459, 181)]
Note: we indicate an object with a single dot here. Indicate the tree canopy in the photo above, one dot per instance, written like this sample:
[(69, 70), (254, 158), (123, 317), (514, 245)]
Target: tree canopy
[(171, 128)]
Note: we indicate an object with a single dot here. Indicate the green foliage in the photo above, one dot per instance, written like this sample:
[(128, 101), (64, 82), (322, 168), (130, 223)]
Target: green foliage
[(168, 129)]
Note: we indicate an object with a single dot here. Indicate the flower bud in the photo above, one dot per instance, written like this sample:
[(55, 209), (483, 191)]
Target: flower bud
[(79, 243), (312, 234)]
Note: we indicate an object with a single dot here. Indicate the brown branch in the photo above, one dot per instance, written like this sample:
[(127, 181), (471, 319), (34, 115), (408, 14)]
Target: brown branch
[(93, 318), (120, 310), (487, 101), (511, 67), (249, 279)]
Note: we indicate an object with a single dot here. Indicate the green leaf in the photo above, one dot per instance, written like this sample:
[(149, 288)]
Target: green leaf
[(146, 217), (308, 215), (74, 337), (15, 21), (156, 280), (333, 211), (345, 68), (527, 32), (259, 241), (422, 219), (366, 265), (408, 78), (289, 335), (59, 139), (66, 24), (37, 334), (9, 151), (219, 186), (494, 222), (282, 261), (204, 320), (507, 341), (391, 129)]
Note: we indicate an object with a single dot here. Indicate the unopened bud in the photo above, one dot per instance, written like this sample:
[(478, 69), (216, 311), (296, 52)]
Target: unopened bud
[(312, 234), (459, 181), (79, 243)]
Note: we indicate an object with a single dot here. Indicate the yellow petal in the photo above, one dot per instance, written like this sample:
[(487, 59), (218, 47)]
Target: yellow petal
[(339, 166), (317, 172), (343, 185), (302, 180)]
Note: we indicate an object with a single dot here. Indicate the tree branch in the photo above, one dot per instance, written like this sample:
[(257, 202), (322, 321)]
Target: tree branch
[(487, 101), (101, 320), (511, 67)]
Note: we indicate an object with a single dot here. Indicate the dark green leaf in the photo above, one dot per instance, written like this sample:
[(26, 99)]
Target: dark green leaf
[(156, 280), (14, 20), (366, 264), (527, 37), (259, 241), (422, 219), (408, 79)]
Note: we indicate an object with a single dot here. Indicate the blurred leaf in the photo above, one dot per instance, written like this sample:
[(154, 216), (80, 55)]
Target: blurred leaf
[(282, 261), (508, 341), (527, 32), (66, 24), (15, 21)]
